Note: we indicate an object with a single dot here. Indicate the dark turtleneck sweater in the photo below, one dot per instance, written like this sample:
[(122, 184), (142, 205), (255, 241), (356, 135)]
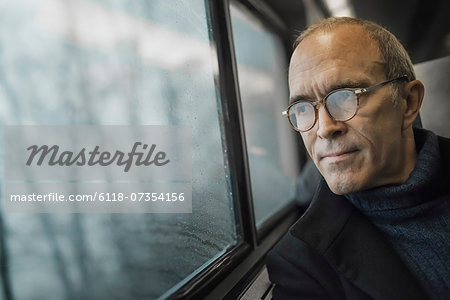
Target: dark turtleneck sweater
[(415, 216)]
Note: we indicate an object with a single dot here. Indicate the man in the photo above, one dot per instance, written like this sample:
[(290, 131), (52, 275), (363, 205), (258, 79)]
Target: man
[(378, 227)]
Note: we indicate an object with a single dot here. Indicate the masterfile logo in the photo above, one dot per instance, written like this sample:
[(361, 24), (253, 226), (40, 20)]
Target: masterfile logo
[(98, 169), (91, 158), (98, 153)]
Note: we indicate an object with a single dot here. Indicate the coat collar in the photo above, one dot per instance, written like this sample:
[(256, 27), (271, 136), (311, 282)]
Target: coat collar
[(355, 248)]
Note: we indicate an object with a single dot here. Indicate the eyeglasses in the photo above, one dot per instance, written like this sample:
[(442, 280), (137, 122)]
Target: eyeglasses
[(341, 105)]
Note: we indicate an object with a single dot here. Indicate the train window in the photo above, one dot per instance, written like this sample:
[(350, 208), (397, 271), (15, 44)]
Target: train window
[(104, 62), (271, 144)]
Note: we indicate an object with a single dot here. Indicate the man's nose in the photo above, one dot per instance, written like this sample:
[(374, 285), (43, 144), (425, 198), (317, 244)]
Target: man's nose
[(327, 127)]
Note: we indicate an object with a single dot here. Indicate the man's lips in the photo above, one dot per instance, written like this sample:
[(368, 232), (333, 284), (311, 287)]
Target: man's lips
[(338, 155)]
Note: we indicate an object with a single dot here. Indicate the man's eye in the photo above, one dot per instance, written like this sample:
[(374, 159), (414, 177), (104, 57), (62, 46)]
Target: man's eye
[(302, 108)]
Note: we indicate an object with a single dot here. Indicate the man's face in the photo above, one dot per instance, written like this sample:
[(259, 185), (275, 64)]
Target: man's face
[(368, 150)]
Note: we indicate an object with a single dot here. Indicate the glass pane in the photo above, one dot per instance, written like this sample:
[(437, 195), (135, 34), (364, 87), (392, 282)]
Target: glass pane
[(262, 72), (107, 62)]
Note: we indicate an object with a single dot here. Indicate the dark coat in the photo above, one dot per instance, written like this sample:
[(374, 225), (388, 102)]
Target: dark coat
[(333, 252)]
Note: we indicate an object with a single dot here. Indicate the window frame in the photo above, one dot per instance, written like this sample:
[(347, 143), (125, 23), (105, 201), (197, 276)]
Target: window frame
[(230, 274)]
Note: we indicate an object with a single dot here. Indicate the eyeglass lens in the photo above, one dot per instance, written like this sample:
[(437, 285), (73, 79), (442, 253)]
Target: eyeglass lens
[(341, 105)]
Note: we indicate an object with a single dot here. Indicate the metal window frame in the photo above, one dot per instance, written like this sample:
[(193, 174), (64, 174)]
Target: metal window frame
[(231, 273), (276, 25)]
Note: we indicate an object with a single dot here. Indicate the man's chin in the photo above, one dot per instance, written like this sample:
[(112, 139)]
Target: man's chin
[(342, 186)]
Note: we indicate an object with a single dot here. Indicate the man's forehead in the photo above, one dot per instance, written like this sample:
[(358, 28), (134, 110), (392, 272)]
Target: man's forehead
[(344, 42), (344, 57), (344, 33)]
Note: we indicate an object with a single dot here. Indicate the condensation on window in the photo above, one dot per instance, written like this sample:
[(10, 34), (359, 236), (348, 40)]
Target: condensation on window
[(105, 62)]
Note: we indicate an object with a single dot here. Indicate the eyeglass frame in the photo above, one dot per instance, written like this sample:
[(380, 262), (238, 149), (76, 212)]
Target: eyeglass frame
[(357, 92)]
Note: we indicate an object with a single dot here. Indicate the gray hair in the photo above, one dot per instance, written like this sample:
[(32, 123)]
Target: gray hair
[(396, 60)]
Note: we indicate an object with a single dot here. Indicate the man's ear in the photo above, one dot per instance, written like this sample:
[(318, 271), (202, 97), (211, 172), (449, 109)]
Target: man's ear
[(413, 94)]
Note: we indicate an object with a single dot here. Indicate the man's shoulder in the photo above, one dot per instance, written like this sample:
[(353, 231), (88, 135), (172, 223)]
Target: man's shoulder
[(310, 236), (444, 142), (298, 269), (444, 148), (444, 145), (298, 264), (291, 249), (323, 220)]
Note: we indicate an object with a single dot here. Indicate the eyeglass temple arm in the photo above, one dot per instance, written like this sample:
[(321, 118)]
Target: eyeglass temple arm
[(359, 91)]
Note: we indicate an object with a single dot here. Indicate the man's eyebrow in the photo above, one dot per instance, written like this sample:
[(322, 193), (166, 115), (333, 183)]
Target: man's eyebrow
[(339, 85), (363, 83), (301, 98)]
